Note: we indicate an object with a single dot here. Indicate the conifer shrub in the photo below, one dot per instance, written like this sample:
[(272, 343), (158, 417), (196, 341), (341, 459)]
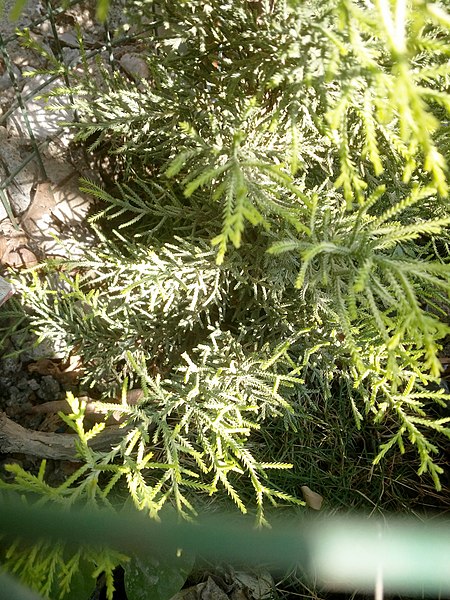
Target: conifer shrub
[(272, 262)]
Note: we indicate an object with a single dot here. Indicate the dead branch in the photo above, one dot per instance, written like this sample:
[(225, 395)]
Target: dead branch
[(58, 446), (92, 410)]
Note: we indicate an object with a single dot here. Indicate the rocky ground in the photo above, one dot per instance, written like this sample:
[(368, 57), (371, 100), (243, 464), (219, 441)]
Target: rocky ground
[(21, 390)]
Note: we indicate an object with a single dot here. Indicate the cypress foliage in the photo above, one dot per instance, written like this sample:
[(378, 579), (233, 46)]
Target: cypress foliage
[(278, 230)]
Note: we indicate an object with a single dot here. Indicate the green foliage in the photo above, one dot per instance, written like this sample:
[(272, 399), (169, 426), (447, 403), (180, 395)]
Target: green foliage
[(56, 570), (216, 394), (275, 242)]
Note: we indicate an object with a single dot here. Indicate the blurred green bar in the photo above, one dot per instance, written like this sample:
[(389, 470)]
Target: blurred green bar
[(342, 553)]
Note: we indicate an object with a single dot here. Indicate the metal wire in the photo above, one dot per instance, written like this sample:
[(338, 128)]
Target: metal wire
[(21, 99), (20, 103)]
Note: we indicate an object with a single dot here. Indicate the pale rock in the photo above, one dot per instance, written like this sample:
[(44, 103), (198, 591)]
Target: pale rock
[(44, 123), (20, 258), (55, 211), (6, 291), (58, 170), (11, 157), (3, 213), (134, 66), (6, 100), (6, 81), (68, 39), (70, 55)]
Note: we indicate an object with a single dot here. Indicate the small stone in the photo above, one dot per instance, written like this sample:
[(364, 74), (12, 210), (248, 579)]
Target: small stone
[(45, 29), (49, 389), (6, 289), (134, 66), (45, 349), (54, 206), (26, 406), (10, 366), (69, 39), (12, 156), (5, 80), (22, 384), (21, 257), (70, 55), (71, 205), (5, 382), (44, 123), (33, 385), (59, 171), (15, 396)]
